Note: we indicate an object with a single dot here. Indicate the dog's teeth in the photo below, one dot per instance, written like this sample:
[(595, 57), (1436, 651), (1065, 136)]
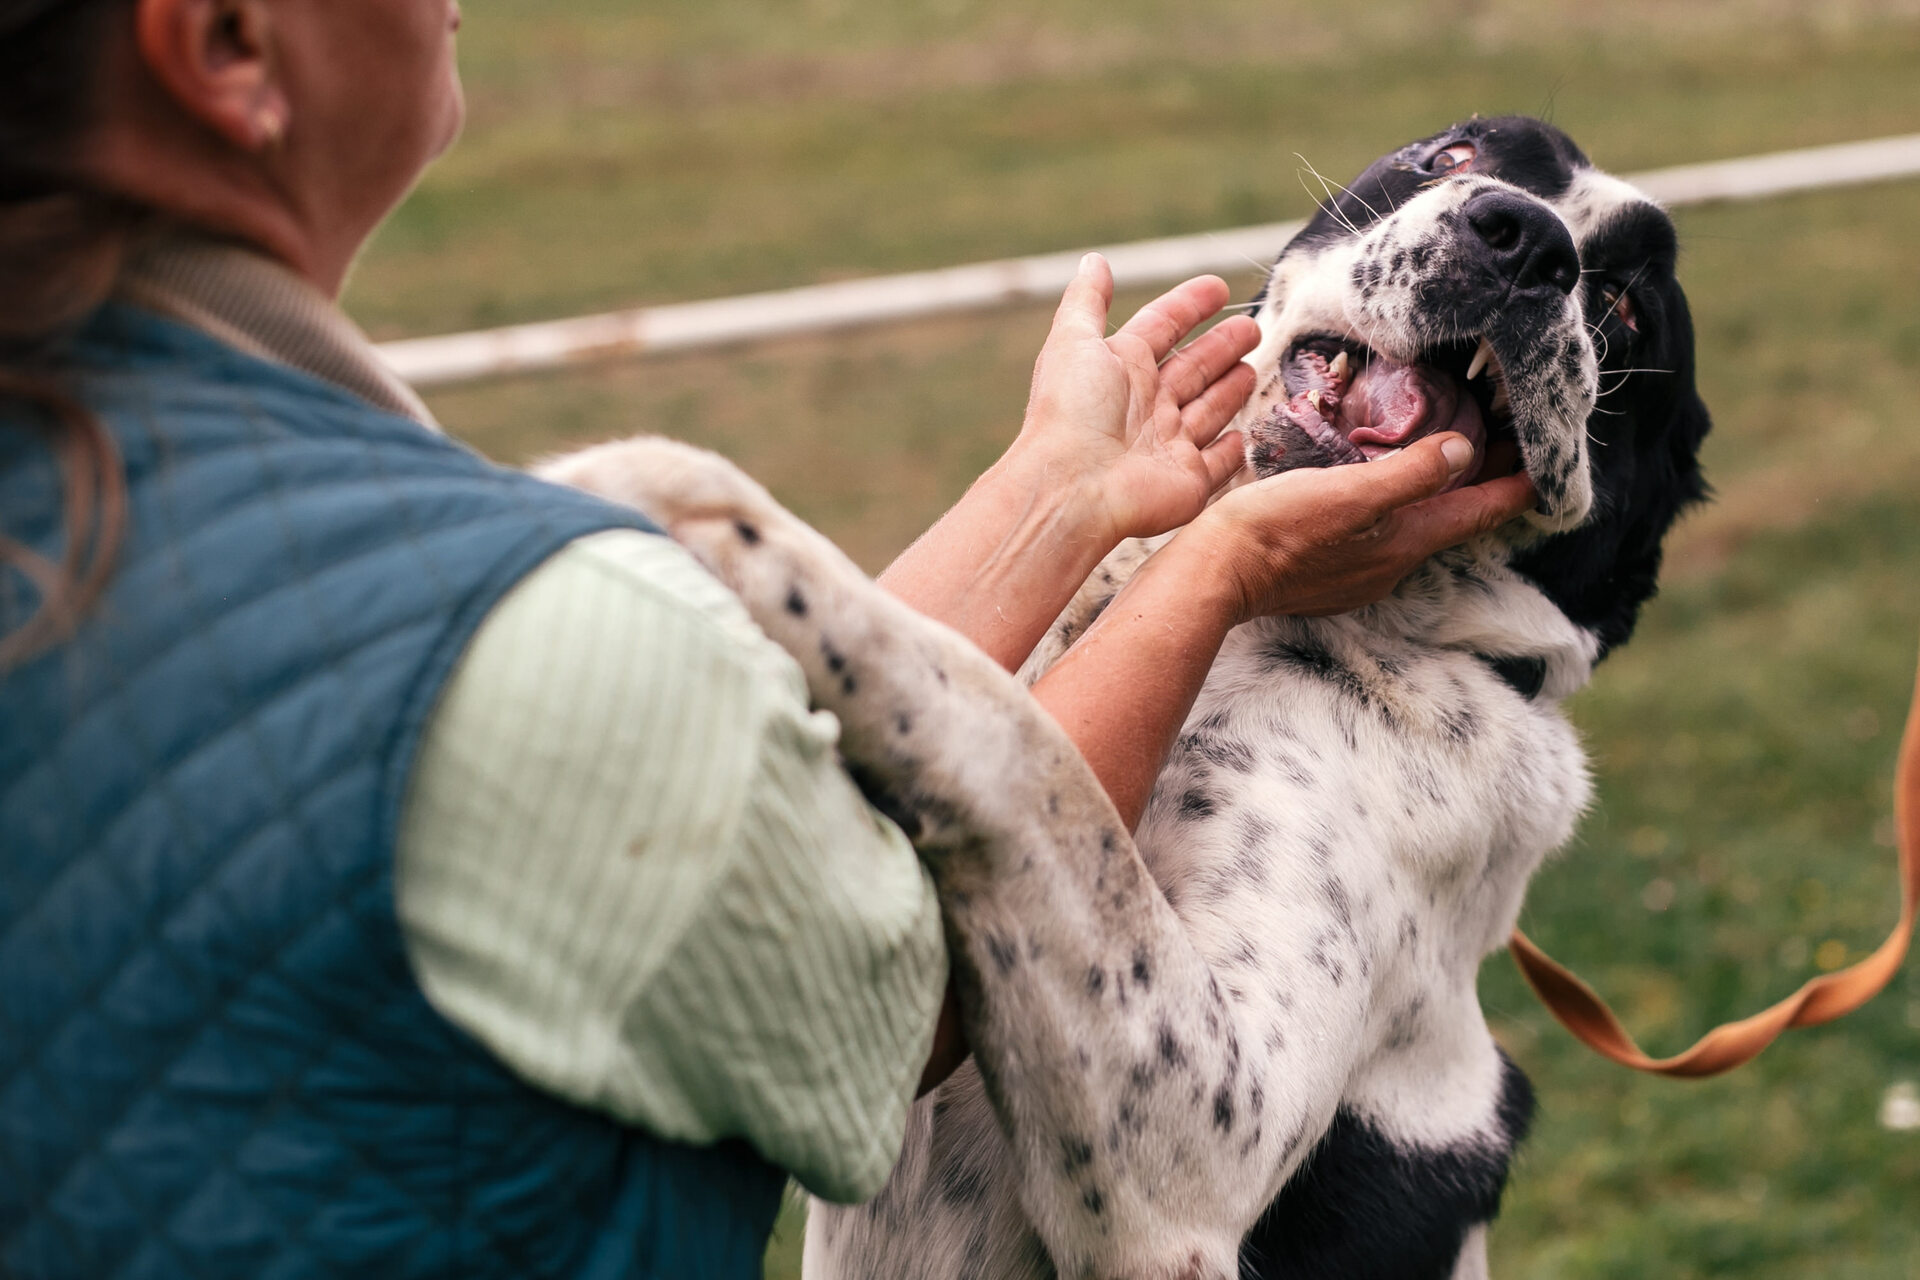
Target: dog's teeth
[(1338, 368), (1480, 359), (1316, 398)]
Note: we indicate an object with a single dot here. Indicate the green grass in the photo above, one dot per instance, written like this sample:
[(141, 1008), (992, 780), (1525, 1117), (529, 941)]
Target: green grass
[(1743, 743)]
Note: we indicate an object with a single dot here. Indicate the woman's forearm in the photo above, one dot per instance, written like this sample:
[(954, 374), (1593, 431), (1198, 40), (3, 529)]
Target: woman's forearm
[(1124, 690), (1000, 565)]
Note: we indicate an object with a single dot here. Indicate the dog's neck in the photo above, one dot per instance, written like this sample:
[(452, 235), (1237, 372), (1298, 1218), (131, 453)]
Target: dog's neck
[(1470, 599)]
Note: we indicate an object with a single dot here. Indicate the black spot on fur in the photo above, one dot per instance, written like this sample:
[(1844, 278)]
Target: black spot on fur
[(1364, 1206), (1198, 803), (1459, 724), (1142, 971), (881, 795), (1075, 1154), (1171, 1051), (1334, 891), (1403, 1028), (1324, 960), (1312, 660), (1096, 982), (748, 534), (836, 660), (1216, 749), (1096, 1203), (1223, 1110), (1525, 676), (963, 1185), (1005, 954), (796, 603)]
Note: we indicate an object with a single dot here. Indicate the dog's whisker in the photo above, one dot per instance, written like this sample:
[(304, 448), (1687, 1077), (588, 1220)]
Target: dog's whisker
[(1331, 205), (1349, 190)]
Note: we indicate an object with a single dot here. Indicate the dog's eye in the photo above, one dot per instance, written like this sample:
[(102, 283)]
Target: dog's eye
[(1458, 156), (1616, 300)]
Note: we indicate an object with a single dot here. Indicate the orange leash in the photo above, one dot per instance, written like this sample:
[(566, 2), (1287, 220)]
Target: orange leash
[(1823, 999)]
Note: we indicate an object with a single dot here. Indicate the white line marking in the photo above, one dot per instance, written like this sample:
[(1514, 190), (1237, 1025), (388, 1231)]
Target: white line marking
[(687, 326)]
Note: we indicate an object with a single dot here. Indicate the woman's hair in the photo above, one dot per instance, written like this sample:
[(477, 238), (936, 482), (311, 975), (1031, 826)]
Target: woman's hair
[(61, 246)]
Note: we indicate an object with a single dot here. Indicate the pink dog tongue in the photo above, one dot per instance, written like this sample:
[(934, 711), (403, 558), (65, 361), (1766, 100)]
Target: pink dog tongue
[(1391, 405)]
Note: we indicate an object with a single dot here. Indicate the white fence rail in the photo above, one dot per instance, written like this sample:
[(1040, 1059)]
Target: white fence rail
[(525, 348)]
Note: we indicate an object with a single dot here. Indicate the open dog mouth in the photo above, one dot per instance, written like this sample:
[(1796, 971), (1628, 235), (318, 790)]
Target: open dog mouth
[(1347, 403)]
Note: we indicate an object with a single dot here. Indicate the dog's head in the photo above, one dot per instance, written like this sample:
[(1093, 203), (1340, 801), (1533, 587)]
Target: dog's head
[(1489, 280)]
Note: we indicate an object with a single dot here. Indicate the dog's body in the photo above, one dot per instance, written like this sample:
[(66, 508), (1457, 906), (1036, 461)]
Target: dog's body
[(1268, 1058)]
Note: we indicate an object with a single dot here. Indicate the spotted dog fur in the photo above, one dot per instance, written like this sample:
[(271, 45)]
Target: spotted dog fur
[(1268, 1058), (1092, 1011)]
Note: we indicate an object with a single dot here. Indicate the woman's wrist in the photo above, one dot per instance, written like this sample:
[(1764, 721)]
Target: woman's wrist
[(1066, 493), (1211, 557), (1000, 565)]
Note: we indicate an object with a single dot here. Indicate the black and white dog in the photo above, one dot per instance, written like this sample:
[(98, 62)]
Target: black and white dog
[(1255, 1047)]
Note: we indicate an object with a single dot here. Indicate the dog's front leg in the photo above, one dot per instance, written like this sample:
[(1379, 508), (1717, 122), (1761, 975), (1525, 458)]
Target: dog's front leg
[(1115, 1065)]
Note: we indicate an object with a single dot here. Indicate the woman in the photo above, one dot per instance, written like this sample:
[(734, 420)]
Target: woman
[(411, 868)]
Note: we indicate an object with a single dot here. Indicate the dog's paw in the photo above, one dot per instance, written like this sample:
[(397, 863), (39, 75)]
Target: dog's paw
[(698, 498)]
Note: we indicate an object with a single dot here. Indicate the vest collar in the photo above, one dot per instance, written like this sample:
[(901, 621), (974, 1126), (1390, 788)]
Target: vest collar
[(254, 304)]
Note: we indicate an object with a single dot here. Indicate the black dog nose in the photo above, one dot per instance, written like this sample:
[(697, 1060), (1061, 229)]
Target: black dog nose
[(1525, 240)]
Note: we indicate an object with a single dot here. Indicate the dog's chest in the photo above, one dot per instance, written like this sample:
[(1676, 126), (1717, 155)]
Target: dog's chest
[(1342, 780)]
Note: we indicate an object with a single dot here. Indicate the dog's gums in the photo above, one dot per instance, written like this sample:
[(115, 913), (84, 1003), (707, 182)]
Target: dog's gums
[(1346, 403)]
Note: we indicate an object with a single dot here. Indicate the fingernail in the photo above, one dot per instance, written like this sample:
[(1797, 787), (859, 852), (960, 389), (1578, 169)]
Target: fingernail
[(1458, 454), (1087, 262)]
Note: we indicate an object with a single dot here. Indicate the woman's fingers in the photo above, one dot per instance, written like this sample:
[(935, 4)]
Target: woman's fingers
[(1162, 323), (1418, 471), (1084, 306), (1195, 367), (1222, 458), (1213, 409), (1450, 518)]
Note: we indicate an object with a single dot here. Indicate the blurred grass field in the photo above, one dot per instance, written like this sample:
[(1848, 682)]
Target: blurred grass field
[(1744, 741)]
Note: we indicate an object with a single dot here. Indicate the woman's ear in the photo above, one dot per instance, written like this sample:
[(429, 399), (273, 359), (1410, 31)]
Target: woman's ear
[(215, 58)]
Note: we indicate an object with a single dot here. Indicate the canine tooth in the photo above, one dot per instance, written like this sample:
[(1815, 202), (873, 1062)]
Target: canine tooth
[(1480, 359), (1499, 401), (1315, 399), (1338, 368)]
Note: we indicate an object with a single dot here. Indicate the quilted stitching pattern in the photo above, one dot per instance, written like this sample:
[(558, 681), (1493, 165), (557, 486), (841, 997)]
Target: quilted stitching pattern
[(213, 1057)]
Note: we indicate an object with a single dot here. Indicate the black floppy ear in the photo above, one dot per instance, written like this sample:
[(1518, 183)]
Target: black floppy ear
[(1689, 432)]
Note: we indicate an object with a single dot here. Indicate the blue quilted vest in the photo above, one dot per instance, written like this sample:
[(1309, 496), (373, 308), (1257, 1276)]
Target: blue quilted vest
[(214, 1058)]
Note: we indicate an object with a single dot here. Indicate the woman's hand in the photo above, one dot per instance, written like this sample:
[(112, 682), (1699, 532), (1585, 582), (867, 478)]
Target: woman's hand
[(1326, 541), (1116, 444), (1141, 441)]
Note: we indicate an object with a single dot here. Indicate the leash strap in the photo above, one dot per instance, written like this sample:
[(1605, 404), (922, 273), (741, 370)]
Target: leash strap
[(1823, 999)]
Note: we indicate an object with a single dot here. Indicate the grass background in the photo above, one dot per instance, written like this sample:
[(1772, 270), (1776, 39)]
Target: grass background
[(1744, 742)]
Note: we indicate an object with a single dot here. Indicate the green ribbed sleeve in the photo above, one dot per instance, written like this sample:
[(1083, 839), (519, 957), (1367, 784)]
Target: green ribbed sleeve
[(631, 865)]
